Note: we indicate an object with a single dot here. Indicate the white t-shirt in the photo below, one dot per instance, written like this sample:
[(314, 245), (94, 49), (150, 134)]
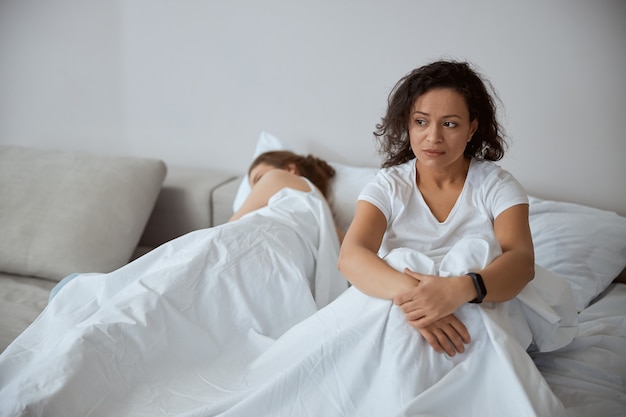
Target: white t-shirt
[(487, 192)]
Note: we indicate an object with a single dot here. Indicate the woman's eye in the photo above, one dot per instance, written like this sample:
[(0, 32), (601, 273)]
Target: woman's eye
[(254, 180), (449, 124), (420, 122)]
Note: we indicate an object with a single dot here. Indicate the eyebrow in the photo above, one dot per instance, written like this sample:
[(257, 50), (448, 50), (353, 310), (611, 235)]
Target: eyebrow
[(447, 116)]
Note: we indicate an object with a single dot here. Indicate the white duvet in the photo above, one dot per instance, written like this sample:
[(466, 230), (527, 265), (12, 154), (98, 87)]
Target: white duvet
[(239, 320)]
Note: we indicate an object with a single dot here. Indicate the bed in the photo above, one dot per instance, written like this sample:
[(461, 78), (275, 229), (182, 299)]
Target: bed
[(144, 341)]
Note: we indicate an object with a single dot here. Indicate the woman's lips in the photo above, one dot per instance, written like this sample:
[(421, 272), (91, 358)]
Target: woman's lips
[(432, 152)]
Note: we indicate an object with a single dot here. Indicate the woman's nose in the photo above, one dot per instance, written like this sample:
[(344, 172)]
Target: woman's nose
[(434, 134)]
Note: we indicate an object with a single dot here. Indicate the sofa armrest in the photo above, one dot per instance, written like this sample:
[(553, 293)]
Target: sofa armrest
[(223, 197), (185, 203)]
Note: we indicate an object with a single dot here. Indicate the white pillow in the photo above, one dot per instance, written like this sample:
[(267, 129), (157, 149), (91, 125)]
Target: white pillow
[(266, 142), (585, 245), (344, 187)]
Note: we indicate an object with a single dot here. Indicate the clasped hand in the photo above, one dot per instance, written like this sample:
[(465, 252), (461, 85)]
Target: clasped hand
[(429, 307)]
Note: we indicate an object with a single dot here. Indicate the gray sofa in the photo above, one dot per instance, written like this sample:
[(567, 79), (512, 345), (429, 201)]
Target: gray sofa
[(63, 212)]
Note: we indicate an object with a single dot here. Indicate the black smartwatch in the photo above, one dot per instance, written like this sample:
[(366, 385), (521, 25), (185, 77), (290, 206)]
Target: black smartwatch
[(481, 291)]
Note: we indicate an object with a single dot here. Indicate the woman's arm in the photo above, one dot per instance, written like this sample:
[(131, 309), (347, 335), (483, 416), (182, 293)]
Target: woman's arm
[(509, 273), (504, 278), (359, 261)]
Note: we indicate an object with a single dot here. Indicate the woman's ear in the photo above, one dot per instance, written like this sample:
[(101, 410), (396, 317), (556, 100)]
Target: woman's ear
[(473, 128), (292, 168)]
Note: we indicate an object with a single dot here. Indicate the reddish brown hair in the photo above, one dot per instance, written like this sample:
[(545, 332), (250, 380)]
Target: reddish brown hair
[(318, 171)]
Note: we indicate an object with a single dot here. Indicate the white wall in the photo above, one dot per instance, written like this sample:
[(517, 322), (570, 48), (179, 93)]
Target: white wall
[(194, 82)]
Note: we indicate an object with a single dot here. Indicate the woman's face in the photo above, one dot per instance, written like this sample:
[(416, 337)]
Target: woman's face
[(259, 170), (440, 127)]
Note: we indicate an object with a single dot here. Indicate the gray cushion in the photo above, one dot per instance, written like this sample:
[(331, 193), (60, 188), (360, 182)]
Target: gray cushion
[(21, 300), (64, 212)]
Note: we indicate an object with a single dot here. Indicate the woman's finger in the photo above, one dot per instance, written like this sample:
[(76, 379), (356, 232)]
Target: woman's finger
[(460, 329)]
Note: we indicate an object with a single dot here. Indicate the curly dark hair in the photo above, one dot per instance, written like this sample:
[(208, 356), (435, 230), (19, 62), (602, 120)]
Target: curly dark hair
[(318, 171), (392, 133)]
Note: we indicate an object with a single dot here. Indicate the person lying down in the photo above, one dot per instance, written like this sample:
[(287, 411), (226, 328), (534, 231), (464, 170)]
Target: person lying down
[(149, 336), (254, 318)]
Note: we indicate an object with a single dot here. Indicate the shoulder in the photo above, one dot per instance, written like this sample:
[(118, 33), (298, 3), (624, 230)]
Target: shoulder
[(391, 187), (269, 185), (497, 187), (400, 170), (490, 172), (485, 167), (277, 179), (398, 176), (393, 178)]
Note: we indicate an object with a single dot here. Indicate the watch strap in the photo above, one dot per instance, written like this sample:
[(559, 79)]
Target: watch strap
[(481, 290)]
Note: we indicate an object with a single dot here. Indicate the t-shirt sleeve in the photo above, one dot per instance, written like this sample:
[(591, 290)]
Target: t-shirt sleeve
[(378, 193), (503, 191)]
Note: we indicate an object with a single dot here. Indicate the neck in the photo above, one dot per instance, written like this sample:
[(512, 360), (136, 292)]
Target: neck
[(449, 176)]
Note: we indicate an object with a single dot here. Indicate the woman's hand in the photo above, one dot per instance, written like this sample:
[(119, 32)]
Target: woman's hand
[(434, 298), (447, 334), (429, 308)]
